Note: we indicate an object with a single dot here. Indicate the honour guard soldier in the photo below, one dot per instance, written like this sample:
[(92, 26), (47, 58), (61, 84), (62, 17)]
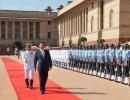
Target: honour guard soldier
[(86, 59), (118, 63), (98, 61), (28, 59), (81, 55), (90, 60), (102, 61), (70, 57), (107, 62), (94, 54), (74, 61), (83, 58), (112, 56), (125, 57)]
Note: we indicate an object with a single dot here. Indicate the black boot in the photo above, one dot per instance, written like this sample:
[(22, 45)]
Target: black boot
[(27, 83), (31, 84)]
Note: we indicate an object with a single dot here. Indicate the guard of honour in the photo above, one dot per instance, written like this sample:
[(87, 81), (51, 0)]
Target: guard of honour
[(107, 61)]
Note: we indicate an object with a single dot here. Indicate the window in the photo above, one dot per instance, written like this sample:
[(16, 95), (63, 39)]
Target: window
[(30, 30), (25, 30), (49, 35), (37, 30), (92, 24), (49, 22), (3, 29), (92, 5), (10, 29), (111, 18), (17, 30), (30, 36)]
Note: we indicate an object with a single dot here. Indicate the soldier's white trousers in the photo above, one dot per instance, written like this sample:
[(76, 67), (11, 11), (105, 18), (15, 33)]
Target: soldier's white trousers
[(29, 73)]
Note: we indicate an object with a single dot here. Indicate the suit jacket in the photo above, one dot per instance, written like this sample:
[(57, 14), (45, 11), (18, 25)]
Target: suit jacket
[(43, 63)]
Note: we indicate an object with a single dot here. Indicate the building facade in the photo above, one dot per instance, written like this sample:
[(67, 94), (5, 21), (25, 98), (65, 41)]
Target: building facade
[(95, 19), (28, 26)]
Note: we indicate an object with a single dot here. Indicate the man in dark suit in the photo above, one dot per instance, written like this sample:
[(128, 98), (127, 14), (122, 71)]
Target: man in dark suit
[(43, 62)]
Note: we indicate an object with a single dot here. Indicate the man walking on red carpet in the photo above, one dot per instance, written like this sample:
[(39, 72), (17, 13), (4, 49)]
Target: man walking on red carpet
[(43, 62)]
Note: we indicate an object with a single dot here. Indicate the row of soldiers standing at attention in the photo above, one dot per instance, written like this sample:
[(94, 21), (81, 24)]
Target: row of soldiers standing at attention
[(103, 60)]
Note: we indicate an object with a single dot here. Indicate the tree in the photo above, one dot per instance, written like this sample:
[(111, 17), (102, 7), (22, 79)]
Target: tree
[(82, 39)]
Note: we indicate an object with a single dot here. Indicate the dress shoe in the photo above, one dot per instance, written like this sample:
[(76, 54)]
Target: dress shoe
[(31, 87), (31, 84), (42, 92), (27, 83), (27, 86)]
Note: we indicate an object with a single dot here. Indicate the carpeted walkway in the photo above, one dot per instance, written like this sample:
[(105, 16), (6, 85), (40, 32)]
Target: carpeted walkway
[(53, 90)]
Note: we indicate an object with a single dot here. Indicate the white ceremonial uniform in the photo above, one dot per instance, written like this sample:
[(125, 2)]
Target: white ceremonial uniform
[(28, 59)]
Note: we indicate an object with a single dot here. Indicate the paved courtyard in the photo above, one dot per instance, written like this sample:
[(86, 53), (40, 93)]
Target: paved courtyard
[(85, 86)]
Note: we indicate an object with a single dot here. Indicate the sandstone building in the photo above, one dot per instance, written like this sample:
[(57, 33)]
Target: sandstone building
[(27, 26), (95, 19)]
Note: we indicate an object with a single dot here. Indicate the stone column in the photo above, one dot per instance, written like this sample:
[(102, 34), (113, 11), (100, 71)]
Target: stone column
[(70, 25), (80, 22), (83, 21), (65, 27), (62, 28), (59, 27), (86, 20), (99, 19), (75, 24)]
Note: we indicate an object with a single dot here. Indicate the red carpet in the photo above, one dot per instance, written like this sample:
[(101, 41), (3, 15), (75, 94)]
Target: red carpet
[(53, 90)]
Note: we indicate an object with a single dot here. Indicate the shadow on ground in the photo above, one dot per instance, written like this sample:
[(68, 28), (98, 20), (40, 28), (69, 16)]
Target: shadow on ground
[(59, 90)]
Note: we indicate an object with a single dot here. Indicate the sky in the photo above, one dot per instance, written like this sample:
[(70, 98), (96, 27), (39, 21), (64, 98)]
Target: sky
[(30, 5)]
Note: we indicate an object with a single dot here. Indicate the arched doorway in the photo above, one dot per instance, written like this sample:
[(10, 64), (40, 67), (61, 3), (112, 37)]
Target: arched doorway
[(18, 45)]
